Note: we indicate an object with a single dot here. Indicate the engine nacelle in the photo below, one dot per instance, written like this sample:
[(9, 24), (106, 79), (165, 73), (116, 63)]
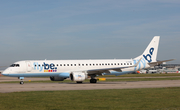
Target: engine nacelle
[(56, 78), (78, 76)]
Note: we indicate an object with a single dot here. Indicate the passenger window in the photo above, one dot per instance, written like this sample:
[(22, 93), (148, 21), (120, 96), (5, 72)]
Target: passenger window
[(74, 64)]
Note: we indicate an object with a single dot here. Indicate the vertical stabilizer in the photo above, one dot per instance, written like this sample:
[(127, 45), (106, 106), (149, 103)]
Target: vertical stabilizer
[(150, 54)]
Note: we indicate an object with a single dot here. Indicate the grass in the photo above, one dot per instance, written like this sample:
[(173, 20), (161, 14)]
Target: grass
[(127, 99), (124, 99)]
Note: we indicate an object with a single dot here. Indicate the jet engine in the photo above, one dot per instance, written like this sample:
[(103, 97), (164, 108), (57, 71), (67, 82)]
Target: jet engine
[(56, 78), (78, 76)]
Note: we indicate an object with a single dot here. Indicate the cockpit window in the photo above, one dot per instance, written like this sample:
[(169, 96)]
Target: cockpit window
[(12, 65), (15, 65)]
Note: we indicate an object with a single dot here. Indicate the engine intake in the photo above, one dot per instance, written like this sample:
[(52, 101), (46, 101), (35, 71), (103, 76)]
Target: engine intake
[(78, 76)]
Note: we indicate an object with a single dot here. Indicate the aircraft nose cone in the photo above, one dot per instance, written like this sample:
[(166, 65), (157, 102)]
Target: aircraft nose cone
[(5, 73)]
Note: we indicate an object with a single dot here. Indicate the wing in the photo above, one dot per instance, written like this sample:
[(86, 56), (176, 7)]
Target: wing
[(107, 70)]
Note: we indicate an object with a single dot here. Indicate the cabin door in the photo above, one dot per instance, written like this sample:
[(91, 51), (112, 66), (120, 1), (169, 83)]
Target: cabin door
[(28, 66)]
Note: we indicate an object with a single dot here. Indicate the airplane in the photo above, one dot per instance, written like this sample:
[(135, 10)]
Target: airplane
[(79, 70)]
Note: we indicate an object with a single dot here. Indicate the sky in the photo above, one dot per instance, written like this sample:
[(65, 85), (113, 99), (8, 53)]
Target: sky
[(87, 29)]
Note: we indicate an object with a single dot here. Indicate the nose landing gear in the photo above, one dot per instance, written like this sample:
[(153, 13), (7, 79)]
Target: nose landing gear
[(21, 82)]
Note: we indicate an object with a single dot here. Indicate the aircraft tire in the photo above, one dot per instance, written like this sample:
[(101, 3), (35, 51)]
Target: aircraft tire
[(93, 80), (78, 82), (21, 82)]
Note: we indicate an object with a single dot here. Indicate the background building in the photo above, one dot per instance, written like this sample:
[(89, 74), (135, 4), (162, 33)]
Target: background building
[(163, 68)]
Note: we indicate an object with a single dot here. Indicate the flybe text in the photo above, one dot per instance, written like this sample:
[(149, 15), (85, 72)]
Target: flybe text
[(46, 67)]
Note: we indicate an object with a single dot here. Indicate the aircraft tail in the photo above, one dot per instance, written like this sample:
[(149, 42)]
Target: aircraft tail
[(150, 54)]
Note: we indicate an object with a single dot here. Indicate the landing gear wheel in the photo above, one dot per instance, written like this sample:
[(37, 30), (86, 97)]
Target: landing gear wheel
[(93, 80), (78, 82), (21, 82)]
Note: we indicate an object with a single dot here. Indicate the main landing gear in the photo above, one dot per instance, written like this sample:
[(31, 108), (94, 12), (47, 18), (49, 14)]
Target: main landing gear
[(78, 82), (21, 82), (93, 80)]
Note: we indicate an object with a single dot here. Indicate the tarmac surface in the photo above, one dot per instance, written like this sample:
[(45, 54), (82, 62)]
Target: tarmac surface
[(4, 78), (16, 87)]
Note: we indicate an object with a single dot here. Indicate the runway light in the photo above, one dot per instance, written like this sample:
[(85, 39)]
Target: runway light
[(29, 80)]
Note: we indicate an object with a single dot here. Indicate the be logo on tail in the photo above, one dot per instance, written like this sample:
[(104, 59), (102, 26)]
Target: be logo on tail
[(148, 56)]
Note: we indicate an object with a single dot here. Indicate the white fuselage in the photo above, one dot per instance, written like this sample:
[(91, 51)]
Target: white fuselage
[(33, 68)]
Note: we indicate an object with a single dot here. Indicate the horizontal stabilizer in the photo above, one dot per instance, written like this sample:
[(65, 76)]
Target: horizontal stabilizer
[(159, 62)]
